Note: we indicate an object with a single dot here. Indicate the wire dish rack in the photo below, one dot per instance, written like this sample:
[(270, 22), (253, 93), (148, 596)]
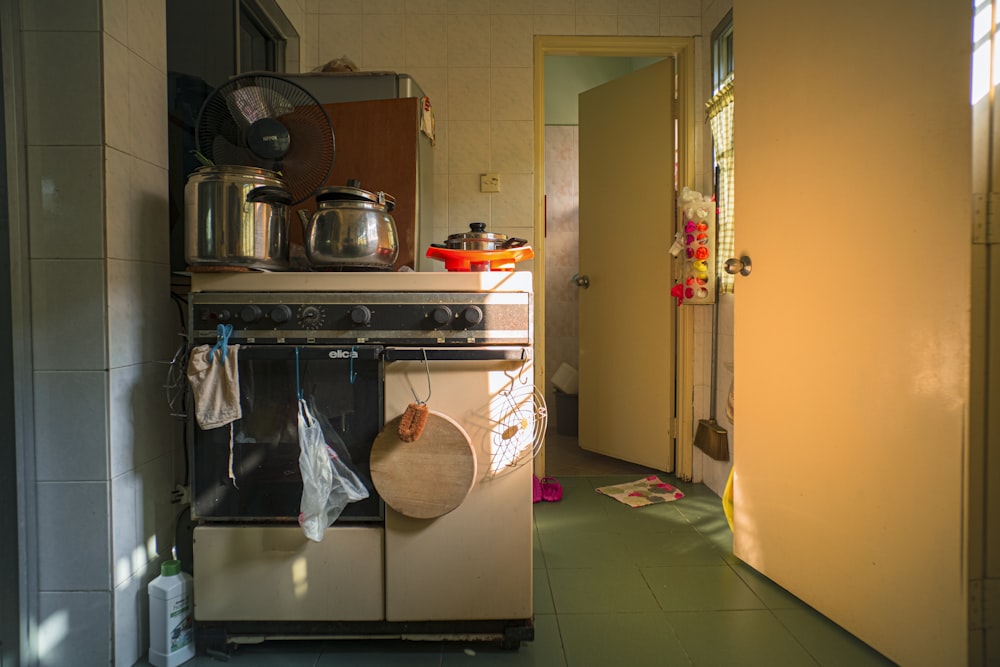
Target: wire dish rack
[(519, 419)]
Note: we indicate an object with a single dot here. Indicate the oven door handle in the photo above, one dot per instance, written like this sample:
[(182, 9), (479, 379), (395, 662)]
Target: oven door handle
[(494, 353)]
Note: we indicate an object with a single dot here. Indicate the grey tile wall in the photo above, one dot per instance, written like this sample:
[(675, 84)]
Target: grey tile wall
[(102, 318)]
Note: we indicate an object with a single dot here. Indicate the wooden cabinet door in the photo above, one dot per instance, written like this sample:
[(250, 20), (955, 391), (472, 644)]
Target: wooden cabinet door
[(376, 143)]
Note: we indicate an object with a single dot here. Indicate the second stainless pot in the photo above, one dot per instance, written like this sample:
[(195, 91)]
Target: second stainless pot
[(352, 229)]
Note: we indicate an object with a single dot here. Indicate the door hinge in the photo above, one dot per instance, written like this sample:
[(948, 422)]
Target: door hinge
[(985, 209)]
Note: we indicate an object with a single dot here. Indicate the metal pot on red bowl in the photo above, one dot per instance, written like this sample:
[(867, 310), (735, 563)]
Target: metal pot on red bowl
[(479, 250), (477, 238)]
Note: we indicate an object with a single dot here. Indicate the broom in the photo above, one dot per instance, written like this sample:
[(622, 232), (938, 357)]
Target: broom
[(710, 437)]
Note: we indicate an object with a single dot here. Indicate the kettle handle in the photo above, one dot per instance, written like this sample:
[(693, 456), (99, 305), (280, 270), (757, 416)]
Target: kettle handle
[(304, 217)]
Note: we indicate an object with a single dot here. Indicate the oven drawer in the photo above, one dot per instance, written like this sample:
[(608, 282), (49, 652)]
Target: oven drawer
[(253, 573)]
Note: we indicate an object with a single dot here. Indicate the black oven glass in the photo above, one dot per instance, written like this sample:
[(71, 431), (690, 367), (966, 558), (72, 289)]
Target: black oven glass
[(342, 384)]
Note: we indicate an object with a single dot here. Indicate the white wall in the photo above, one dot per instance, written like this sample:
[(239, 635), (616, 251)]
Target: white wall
[(474, 60)]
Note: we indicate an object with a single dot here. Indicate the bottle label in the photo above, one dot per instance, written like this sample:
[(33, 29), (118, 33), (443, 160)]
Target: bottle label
[(180, 620)]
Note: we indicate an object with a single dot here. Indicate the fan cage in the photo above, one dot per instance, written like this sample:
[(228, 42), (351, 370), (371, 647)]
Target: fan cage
[(226, 123)]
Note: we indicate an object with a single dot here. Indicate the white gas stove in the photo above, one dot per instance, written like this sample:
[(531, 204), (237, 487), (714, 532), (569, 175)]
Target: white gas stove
[(367, 345)]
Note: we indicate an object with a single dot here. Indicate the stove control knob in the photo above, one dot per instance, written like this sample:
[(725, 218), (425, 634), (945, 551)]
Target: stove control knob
[(250, 313), (441, 315), (311, 317), (281, 314), (472, 316), (361, 315), (223, 315)]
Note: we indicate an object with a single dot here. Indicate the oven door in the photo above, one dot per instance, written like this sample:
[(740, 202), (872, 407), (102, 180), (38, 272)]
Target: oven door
[(249, 471), (486, 570)]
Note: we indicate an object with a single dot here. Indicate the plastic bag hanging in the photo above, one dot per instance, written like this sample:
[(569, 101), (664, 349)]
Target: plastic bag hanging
[(328, 482)]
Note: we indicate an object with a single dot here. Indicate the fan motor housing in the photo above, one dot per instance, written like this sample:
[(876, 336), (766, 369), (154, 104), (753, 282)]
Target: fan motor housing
[(269, 138)]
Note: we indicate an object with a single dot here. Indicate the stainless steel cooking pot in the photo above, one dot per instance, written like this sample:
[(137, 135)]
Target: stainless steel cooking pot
[(351, 229), (477, 238), (236, 216)]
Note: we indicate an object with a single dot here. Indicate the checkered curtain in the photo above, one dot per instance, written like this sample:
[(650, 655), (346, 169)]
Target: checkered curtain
[(720, 118)]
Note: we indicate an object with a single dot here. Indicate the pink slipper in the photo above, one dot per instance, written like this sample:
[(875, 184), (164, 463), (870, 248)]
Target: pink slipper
[(536, 489), (551, 490)]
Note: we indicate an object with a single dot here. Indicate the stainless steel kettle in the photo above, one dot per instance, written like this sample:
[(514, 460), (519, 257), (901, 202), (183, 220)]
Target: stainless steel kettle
[(351, 229)]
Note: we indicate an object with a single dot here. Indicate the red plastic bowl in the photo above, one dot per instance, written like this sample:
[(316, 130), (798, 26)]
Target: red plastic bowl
[(480, 260)]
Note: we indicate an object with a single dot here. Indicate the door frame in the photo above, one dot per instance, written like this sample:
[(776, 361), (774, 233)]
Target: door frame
[(682, 49), (18, 525)]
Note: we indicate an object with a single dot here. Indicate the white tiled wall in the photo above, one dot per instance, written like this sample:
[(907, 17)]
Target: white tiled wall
[(102, 319), (474, 60)]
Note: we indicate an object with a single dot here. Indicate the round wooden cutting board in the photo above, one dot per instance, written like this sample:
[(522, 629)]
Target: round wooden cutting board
[(427, 478)]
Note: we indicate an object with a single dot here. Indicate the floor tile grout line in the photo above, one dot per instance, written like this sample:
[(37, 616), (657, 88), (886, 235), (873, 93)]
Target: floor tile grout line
[(795, 637)]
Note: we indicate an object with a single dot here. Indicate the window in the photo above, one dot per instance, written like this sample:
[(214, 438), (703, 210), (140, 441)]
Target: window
[(722, 52), (261, 42), (720, 115)]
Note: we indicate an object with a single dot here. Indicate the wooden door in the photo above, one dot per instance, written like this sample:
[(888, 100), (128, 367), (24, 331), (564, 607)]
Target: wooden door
[(626, 226), (852, 331)]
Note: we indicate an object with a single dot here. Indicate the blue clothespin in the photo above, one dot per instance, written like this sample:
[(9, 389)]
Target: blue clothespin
[(222, 332)]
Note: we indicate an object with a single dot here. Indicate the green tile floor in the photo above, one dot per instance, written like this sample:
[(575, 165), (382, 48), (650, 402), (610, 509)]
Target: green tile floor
[(617, 586)]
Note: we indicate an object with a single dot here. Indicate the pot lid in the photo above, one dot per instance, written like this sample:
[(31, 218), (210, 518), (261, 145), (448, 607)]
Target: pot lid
[(239, 170), (353, 192), (477, 231)]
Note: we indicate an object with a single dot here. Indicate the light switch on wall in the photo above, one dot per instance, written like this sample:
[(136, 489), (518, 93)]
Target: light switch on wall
[(489, 182)]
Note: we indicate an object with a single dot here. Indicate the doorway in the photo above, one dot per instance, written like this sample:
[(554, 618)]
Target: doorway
[(554, 295)]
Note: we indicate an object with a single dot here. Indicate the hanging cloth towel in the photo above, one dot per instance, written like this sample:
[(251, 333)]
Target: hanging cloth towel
[(427, 119), (214, 377), (215, 385)]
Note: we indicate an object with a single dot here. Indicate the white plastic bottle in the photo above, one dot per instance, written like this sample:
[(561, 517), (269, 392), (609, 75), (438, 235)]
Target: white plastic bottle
[(171, 616)]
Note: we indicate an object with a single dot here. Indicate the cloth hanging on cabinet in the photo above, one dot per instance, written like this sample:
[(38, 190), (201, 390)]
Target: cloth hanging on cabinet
[(215, 385)]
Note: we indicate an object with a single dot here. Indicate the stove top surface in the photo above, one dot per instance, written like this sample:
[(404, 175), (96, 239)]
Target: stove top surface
[(364, 281)]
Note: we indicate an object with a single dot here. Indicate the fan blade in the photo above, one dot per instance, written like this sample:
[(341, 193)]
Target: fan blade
[(251, 103), (309, 159)]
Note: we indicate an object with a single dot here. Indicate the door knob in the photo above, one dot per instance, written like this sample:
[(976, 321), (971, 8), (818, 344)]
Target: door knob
[(741, 266), (581, 281)]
